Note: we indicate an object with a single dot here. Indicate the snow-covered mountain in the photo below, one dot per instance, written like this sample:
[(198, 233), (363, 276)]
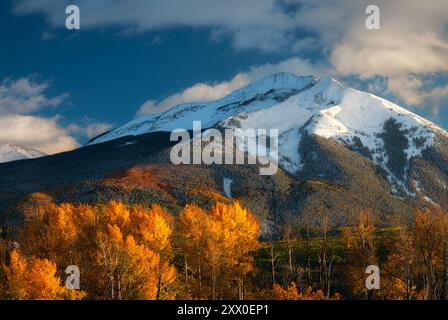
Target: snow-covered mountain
[(339, 149), (298, 106), (260, 95), (11, 152)]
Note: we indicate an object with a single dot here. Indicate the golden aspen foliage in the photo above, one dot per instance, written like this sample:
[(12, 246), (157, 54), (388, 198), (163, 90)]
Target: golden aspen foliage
[(141, 230), (292, 292), (216, 246), (400, 271), (3, 256), (35, 279), (361, 251), (429, 245), (104, 241), (115, 213), (289, 293), (152, 227)]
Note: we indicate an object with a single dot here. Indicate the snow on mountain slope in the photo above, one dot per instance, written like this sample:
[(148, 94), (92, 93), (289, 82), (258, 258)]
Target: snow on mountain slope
[(259, 95), (330, 110), (303, 105), (289, 116), (364, 119), (12, 152), (363, 115)]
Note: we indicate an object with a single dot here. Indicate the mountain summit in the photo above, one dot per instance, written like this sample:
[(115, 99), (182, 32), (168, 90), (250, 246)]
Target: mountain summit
[(11, 152), (383, 132), (262, 94)]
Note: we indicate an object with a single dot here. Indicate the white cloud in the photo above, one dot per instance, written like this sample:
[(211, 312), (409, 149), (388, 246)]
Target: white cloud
[(251, 23), (412, 41), (44, 134), (338, 26), (413, 90), (25, 95), (20, 100), (90, 130), (201, 92), (412, 38), (390, 55)]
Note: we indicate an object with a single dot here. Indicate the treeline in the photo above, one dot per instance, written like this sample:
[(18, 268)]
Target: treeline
[(412, 257), (137, 252), (129, 252)]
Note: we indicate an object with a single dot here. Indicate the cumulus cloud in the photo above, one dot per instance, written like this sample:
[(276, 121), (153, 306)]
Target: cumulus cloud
[(413, 90), (412, 41), (26, 95), (201, 92), (391, 56), (19, 124), (90, 130), (44, 134), (409, 49), (251, 23), (338, 26)]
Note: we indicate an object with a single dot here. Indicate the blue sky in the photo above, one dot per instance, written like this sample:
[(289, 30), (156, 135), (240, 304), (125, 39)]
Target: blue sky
[(130, 58)]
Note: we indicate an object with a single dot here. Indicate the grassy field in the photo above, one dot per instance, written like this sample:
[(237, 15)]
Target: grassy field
[(336, 249)]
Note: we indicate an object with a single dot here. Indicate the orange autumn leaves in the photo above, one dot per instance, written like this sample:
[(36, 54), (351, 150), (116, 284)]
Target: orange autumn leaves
[(35, 279), (135, 252), (123, 252), (216, 246), (292, 292)]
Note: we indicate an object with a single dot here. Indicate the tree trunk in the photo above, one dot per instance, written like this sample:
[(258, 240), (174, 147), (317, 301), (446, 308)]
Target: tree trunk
[(159, 285), (118, 286), (112, 285), (199, 282), (430, 281), (445, 249), (308, 254), (273, 263), (329, 277), (290, 258), (186, 280), (240, 288), (214, 285)]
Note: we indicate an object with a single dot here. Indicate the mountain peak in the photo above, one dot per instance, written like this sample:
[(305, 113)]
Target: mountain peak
[(281, 80), (296, 104), (327, 80), (285, 77), (12, 152)]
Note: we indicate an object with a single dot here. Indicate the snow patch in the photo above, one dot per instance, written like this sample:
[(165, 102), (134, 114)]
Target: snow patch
[(295, 106), (11, 152), (227, 187)]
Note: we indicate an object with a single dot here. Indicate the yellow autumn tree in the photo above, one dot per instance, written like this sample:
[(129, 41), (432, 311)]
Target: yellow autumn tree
[(361, 251), (292, 292), (192, 232), (130, 268), (216, 246), (35, 279), (54, 232), (153, 229), (3, 255), (134, 252), (400, 271), (417, 266), (429, 245), (104, 241)]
